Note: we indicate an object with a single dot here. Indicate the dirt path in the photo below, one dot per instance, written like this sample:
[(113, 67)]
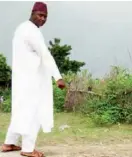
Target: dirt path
[(89, 150)]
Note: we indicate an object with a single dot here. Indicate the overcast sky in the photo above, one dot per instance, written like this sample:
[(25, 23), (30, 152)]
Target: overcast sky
[(100, 33)]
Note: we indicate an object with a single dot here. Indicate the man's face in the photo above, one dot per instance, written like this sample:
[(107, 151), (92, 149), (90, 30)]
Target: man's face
[(40, 18)]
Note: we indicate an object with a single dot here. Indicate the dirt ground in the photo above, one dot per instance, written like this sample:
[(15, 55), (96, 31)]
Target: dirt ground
[(86, 150)]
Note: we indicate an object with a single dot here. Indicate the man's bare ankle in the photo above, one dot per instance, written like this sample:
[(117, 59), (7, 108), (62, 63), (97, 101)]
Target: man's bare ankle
[(7, 144)]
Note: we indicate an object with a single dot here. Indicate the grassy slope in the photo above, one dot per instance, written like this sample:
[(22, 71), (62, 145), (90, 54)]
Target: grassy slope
[(81, 130)]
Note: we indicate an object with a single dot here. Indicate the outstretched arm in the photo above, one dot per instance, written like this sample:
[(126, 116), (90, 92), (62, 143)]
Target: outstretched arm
[(38, 44)]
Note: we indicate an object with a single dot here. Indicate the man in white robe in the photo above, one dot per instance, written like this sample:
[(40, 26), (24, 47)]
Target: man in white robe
[(32, 92)]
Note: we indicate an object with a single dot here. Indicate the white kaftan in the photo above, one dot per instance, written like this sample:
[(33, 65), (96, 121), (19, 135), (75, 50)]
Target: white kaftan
[(32, 70)]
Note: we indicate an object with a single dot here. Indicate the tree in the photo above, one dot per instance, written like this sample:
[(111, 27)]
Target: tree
[(5, 72), (60, 54)]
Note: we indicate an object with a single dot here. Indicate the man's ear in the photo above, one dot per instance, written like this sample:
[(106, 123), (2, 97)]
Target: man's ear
[(32, 14)]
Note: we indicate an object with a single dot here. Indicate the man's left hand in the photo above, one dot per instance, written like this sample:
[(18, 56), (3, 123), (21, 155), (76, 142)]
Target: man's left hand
[(61, 84)]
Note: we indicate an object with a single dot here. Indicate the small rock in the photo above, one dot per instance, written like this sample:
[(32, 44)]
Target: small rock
[(63, 127), (1, 99)]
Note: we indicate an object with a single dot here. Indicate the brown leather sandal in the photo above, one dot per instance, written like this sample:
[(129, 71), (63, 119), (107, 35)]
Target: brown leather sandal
[(32, 154), (10, 147)]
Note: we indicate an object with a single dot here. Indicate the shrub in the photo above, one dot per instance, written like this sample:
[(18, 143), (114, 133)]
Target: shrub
[(59, 98), (113, 103), (6, 105), (5, 72)]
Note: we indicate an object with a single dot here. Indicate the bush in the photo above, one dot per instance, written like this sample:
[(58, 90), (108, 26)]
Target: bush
[(59, 98), (5, 72), (113, 103), (6, 105), (78, 86), (109, 102)]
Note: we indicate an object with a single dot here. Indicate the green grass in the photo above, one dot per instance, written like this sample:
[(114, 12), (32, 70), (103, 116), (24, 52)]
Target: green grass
[(81, 130)]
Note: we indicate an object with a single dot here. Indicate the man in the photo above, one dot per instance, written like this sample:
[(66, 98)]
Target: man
[(32, 91)]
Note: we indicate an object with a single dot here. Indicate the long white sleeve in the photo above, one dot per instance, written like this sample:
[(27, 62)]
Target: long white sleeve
[(38, 44)]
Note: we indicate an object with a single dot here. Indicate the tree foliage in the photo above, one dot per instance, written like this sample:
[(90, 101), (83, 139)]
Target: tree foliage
[(61, 56), (5, 71)]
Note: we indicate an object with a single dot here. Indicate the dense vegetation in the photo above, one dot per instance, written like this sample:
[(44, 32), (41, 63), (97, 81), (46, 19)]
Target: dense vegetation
[(106, 101)]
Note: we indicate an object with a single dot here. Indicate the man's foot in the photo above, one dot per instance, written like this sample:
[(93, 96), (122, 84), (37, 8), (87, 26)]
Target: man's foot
[(10, 147), (33, 154)]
